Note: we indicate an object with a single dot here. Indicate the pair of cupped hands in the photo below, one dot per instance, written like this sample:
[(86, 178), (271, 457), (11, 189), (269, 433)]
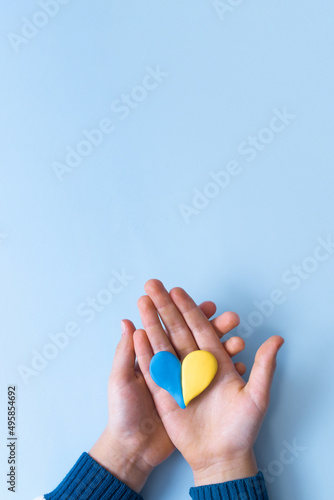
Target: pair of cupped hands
[(217, 431)]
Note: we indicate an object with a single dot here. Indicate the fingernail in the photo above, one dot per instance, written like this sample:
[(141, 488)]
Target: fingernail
[(123, 327)]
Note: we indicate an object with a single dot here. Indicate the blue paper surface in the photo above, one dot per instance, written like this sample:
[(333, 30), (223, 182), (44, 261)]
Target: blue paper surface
[(184, 141)]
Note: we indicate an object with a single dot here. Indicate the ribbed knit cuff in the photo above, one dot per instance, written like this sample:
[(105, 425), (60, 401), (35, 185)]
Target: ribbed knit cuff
[(250, 488), (87, 480)]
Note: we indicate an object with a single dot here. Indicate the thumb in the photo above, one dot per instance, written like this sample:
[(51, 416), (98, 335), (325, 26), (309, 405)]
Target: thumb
[(262, 373), (124, 360)]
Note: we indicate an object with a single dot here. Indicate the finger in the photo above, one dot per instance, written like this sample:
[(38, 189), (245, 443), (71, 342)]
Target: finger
[(234, 346), (143, 350), (261, 376), (240, 367), (144, 355), (152, 325), (200, 327), (177, 329), (208, 307), (124, 359), (224, 323)]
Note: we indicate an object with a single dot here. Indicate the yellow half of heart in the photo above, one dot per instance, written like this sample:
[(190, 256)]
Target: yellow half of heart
[(198, 370)]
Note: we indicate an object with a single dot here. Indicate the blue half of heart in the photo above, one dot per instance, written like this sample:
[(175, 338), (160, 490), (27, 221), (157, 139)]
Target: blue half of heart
[(165, 370)]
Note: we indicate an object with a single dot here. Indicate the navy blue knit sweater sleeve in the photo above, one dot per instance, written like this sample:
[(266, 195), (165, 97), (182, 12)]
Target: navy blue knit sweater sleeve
[(250, 488), (87, 480)]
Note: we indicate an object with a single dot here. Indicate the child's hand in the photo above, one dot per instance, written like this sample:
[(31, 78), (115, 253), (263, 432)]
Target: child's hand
[(135, 441), (218, 429)]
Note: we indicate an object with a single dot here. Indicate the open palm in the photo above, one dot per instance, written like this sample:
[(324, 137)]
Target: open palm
[(135, 433), (222, 424)]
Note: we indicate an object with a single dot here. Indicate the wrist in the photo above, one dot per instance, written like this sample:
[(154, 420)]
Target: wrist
[(230, 469), (127, 466)]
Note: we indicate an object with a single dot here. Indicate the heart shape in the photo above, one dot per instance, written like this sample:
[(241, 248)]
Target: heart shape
[(183, 381)]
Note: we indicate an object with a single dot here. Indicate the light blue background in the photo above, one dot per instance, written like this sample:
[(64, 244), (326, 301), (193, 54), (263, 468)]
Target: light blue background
[(119, 209)]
